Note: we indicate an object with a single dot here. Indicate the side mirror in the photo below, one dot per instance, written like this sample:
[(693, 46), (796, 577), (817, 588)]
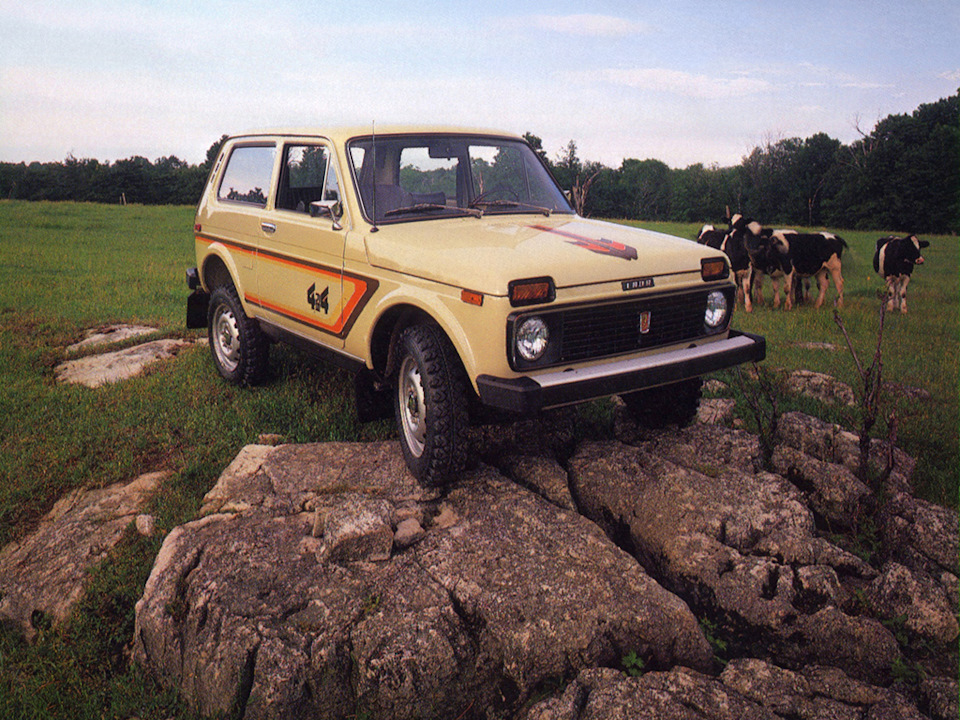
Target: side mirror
[(328, 208)]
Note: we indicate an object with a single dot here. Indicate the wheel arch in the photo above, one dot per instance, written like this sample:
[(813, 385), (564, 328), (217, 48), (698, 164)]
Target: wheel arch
[(384, 338), (217, 270)]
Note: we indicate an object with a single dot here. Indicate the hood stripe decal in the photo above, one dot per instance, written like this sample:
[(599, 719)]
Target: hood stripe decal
[(601, 246)]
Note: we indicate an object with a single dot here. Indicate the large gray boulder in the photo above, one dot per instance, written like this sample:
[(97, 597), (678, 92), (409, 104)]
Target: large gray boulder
[(738, 544), (282, 600)]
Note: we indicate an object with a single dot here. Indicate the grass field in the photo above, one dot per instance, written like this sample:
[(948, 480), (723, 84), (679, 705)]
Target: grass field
[(68, 267), (920, 350)]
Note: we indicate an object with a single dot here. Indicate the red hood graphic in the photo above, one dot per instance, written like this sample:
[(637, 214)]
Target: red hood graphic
[(597, 245)]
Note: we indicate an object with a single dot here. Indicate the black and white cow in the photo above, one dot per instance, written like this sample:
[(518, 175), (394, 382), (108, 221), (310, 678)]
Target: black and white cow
[(711, 237), (735, 247), (894, 259), (818, 255), (770, 254), (792, 257)]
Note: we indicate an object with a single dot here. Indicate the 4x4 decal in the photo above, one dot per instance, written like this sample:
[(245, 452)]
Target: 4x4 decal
[(321, 302), (339, 315)]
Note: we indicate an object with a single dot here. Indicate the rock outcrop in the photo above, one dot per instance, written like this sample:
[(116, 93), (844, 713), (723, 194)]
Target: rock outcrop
[(740, 545), (95, 370), (43, 576), (323, 581), (504, 593), (747, 689)]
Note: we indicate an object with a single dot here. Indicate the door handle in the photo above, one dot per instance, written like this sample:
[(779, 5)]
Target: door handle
[(268, 227)]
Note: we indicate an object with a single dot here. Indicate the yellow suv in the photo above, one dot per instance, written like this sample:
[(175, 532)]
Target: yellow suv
[(449, 271)]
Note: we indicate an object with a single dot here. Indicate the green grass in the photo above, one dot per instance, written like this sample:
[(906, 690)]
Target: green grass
[(67, 267), (64, 268), (920, 349)]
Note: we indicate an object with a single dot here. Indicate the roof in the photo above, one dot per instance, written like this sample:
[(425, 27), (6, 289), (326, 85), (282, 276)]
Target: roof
[(342, 134)]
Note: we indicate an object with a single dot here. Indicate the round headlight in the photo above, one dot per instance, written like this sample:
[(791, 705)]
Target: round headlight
[(532, 338), (716, 313)]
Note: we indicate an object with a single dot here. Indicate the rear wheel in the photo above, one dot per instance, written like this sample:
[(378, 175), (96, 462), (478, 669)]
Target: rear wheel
[(657, 407), (239, 348), (431, 405)]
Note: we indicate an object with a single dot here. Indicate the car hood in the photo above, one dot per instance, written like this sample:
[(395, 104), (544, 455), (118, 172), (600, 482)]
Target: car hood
[(487, 253)]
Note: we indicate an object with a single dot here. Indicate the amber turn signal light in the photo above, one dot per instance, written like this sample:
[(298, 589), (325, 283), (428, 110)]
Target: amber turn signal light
[(713, 269), (471, 298), (531, 291)]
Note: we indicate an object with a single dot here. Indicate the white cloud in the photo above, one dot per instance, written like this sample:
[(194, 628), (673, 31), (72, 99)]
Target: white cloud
[(950, 75), (589, 25), (676, 82), (867, 86)]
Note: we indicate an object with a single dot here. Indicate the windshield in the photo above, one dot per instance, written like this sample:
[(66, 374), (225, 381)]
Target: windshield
[(414, 177)]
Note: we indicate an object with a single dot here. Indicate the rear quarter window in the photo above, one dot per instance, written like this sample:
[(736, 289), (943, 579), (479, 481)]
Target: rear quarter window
[(246, 178)]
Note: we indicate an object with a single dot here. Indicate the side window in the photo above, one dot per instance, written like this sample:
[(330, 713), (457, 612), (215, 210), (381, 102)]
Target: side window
[(331, 188), (306, 176), (247, 175)]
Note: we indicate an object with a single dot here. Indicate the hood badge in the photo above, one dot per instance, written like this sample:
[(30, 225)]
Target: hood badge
[(637, 284)]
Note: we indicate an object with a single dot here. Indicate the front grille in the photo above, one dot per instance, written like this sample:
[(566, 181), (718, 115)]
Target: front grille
[(605, 330)]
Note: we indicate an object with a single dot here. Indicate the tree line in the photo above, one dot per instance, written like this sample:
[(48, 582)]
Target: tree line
[(903, 175)]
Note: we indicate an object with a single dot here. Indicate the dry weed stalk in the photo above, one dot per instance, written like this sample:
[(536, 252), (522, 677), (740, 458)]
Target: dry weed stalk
[(869, 397)]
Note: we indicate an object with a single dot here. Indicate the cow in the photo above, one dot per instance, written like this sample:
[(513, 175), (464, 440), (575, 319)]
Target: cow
[(793, 257), (894, 259), (818, 255), (770, 254), (735, 248), (711, 237)]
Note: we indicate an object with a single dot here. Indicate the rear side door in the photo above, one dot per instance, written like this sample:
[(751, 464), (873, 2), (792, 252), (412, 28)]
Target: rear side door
[(236, 212)]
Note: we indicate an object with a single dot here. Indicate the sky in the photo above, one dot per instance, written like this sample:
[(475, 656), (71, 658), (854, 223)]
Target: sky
[(681, 81)]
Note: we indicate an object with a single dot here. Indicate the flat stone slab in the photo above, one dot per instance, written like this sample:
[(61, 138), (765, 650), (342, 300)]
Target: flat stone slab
[(820, 386), (96, 370), (43, 576), (109, 334)]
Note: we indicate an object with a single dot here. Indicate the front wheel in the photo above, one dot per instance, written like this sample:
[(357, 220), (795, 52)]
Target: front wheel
[(431, 405), (657, 407), (238, 346)]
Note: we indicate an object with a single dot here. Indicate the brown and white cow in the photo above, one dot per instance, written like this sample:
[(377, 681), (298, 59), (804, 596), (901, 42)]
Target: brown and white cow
[(894, 259)]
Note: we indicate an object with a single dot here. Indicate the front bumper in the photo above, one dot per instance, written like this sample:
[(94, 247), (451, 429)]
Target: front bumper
[(528, 395)]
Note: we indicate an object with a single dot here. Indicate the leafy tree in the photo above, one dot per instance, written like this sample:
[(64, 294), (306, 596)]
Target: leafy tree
[(904, 175), (537, 144)]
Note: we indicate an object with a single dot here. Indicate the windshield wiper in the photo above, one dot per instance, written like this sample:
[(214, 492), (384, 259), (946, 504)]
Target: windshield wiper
[(424, 207), (511, 204)]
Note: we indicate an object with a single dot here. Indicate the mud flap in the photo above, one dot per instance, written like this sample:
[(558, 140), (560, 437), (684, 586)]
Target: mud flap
[(197, 303)]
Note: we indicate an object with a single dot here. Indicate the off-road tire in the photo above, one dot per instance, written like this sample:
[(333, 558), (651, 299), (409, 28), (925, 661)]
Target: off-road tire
[(658, 407), (240, 349), (430, 404)]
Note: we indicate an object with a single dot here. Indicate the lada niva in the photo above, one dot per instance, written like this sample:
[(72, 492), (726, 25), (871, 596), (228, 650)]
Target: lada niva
[(449, 271)]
